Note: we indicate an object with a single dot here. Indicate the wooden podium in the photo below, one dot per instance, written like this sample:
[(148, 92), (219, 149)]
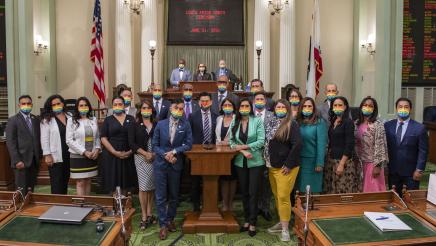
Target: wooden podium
[(431, 127), (6, 173), (210, 164)]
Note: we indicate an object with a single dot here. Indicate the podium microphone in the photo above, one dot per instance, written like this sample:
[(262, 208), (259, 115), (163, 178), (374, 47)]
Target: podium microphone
[(118, 198), (306, 229)]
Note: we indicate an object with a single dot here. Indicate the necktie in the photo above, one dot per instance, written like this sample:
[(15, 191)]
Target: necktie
[(156, 107), (259, 114), (173, 131), (188, 110), (221, 97), (206, 132), (29, 123), (399, 132)]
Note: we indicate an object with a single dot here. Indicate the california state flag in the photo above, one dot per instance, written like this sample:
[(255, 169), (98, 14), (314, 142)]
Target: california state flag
[(314, 70)]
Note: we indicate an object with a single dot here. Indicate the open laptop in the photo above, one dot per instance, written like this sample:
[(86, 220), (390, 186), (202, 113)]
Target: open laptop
[(65, 215)]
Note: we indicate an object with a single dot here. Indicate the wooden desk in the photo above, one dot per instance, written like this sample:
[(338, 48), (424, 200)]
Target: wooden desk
[(350, 205), (37, 204), (431, 127), (210, 164), (416, 200), (200, 86), (174, 94), (6, 173)]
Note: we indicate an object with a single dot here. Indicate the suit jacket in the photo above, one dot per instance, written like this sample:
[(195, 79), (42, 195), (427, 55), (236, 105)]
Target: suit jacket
[(194, 108), (51, 139), (216, 104), (23, 144), (411, 153), (164, 110), (175, 76), (132, 111), (324, 109), (227, 72), (269, 103), (268, 117), (196, 122), (161, 143), (198, 77)]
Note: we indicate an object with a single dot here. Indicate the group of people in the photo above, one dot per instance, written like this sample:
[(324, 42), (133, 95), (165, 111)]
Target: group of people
[(282, 146)]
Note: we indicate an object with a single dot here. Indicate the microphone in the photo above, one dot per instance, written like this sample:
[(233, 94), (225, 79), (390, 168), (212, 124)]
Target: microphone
[(306, 229), (118, 198)]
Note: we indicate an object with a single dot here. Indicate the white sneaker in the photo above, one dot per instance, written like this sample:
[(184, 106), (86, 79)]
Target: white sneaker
[(275, 228), (285, 236)]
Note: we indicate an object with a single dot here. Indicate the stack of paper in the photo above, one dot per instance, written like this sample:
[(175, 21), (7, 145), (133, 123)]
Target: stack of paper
[(387, 221), (431, 193)]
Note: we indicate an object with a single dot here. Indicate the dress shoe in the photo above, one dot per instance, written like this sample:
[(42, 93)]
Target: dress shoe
[(163, 233), (251, 233), (266, 215), (243, 229), (172, 227)]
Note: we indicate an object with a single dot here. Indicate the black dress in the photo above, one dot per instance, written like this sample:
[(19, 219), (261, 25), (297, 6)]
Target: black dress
[(233, 175), (115, 171), (60, 172)]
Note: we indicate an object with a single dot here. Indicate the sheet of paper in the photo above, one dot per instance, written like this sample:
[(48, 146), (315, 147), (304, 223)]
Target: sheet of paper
[(431, 193), (387, 221)]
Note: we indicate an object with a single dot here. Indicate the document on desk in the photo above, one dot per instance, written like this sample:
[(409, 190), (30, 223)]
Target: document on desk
[(431, 192), (387, 221)]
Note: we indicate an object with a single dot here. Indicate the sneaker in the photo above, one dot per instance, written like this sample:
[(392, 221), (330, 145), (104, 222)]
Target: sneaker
[(275, 228), (285, 236)]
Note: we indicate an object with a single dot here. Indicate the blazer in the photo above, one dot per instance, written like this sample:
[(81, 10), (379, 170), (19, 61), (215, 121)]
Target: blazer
[(161, 143), (164, 109), (194, 107), (132, 112), (23, 144), (268, 117), (51, 139), (76, 136), (198, 77), (341, 140), (139, 137), (175, 76), (227, 73), (286, 153), (411, 153), (324, 109), (196, 122), (219, 124), (216, 104), (269, 103), (314, 140), (255, 140)]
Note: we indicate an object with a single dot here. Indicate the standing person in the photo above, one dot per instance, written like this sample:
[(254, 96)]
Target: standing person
[(54, 143), (191, 105), (371, 146), (118, 168), (83, 140), (341, 175), (201, 74), (222, 133), (203, 123), (130, 109), (247, 136), (407, 148), (24, 145), (160, 105), (282, 157), (180, 74), (294, 96), (222, 92), (140, 137), (223, 70), (256, 85), (331, 92), (313, 132), (171, 139)]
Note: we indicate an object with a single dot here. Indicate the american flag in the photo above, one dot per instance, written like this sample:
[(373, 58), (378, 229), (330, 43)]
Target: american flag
[(97, 54)]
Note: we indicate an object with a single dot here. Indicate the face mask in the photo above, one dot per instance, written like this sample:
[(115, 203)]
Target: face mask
[(244, 111), (26, 109), (146, 113), (202, 69), (307, 112), (338, 111), (259, 104), (118, 109), (295, 101), (281, 112), (181, 66), (57, 109), (157, 95), (403, 113), (367, 111), (331, 96), (222, 66), (222, 88), (205, 105), (83, 110), (127, 101), (187, 95), (176, 114), (254, 90), (228, 110)]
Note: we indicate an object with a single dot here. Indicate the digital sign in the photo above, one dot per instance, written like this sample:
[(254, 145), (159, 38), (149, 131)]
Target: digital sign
[(201, 22)]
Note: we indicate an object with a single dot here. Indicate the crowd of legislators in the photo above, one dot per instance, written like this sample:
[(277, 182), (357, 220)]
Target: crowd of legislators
[(282, 146)]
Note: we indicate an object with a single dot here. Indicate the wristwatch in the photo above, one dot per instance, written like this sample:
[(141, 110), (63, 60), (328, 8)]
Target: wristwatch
[(174, 151)]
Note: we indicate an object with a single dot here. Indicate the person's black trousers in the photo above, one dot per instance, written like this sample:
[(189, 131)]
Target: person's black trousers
[(249, 184), (196, 192), (266, 193), (26, 178), (59, 177)]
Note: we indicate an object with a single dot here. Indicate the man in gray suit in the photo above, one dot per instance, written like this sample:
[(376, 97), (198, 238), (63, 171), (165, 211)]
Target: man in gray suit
[(331, 91), (180, 74), (24, 146), (126, 94), (222, 93), (191, 105)]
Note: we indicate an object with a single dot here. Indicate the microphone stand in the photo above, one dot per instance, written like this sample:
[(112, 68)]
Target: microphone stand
[(306, 229), (118, 198)]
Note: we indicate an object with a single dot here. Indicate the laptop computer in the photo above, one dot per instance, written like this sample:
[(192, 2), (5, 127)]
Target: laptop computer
[(65, 215)]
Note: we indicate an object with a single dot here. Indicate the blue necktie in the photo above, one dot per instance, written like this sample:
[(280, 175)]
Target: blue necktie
[(399, 132), (207, 133), (29, 123), (156, 107)]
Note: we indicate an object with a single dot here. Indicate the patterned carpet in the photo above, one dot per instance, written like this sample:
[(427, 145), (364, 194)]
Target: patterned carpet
[(150, 236)]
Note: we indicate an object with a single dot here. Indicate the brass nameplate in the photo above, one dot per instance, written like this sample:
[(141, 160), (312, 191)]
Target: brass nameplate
[(346, 199)]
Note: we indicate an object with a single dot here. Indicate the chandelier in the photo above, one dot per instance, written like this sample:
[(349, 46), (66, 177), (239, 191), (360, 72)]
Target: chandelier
[(276, 6), (134, 5)]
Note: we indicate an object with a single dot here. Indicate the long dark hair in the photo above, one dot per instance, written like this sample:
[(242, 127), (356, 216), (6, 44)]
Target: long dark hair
[(314, 118), (153, 111), (227, 99), (76, 114), (333, 116), (283, 133), (238, 115), (48, 113), (374, 115)]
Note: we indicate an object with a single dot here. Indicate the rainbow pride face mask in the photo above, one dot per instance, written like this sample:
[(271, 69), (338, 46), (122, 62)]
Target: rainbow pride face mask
[(26, 109), (157, 95), (57, 109), (307, 112), (367, 111), (228, 110), (83, 110), (339, 111), (127, 100), (222, 88), (403, 113), (187, 95), (118, 109), (244, 111), (331, 96), (281, 112), (295, 101), (146, 113), (177, 114), (259, 104)]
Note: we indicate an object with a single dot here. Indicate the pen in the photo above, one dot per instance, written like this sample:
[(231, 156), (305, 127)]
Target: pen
[(382, 218)]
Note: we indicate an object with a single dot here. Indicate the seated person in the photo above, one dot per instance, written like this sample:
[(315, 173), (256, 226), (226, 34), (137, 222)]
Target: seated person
[(180, 74), (222, 93), (201, 73)]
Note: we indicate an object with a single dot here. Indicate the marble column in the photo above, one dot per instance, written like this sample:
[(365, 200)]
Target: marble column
[(262, 32), (287, 46), (123, 45), (148, 32)]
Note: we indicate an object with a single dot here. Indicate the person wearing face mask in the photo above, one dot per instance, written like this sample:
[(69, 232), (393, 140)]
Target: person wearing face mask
[(331, 92), (181, 73), (23, 143), (341, 175), (83, 140), (54, 145), (294, 96), (371, 146), (118, 168), (223, 70), (202, 74), (161, 106), (171, 139), (191, 105), (130, 109), (222, 93), (203, 123), (407, 148), (256, 85)]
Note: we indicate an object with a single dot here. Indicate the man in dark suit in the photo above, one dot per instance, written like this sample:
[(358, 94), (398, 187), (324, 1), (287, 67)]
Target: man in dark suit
[(191, 105), (160, 105), (203, 123), (172, 137), (257, 85), (180, 74), (223, 71), (407, 148), (222, 93), (23, 142)]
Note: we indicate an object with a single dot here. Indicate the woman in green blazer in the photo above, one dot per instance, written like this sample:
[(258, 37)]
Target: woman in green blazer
[(248, 137)]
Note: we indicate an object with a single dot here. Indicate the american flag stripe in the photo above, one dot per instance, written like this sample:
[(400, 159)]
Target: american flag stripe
[(97, 54)]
